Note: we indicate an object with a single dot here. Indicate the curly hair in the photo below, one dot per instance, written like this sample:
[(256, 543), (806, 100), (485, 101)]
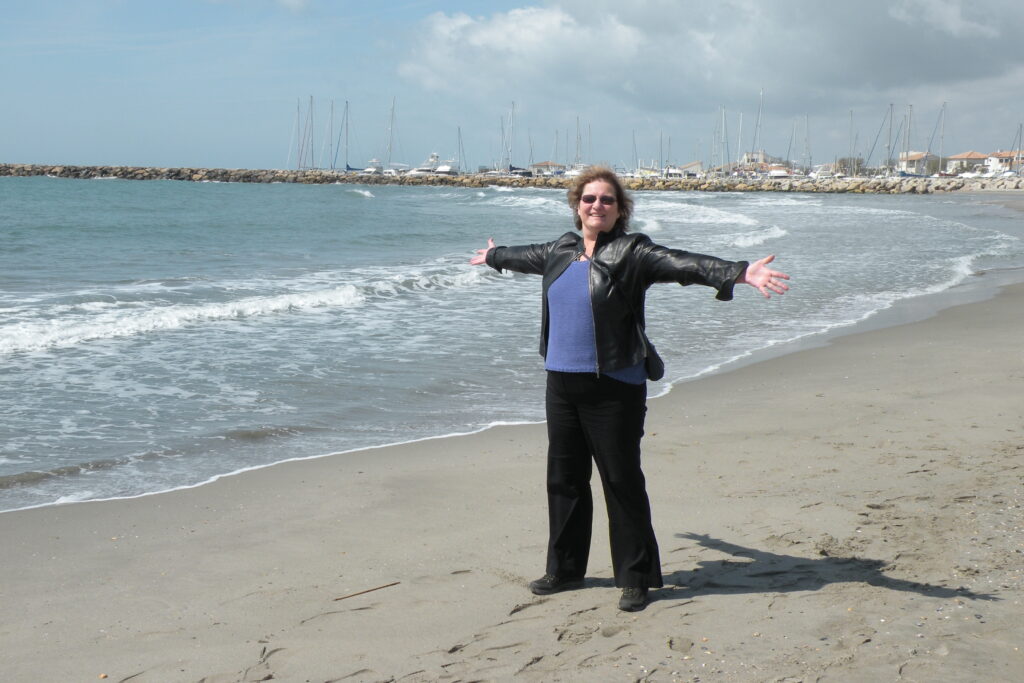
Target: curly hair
[(623, 200)]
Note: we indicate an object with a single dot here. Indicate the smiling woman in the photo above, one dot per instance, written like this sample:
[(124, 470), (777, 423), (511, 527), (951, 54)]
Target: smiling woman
[(598, 359)]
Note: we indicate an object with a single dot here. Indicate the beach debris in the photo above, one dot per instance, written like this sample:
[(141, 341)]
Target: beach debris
[(368, 590), (683, 645), (523, 605)]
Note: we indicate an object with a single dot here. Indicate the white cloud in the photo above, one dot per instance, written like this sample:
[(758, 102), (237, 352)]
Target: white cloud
[(945, 16), (532, 46)]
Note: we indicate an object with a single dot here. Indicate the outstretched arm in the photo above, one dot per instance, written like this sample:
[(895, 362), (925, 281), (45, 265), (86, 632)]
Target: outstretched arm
[(481, 254), (762, 278)]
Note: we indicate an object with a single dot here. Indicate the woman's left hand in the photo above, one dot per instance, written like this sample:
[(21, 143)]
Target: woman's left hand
[(759, 276)]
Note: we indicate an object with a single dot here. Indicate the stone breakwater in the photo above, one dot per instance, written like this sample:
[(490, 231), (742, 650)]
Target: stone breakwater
[(320, 177)]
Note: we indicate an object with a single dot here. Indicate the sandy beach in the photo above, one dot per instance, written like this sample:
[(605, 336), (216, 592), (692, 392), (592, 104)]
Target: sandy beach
[(844, 513)]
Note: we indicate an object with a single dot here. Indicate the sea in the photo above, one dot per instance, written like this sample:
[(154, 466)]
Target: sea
[(157, 335)]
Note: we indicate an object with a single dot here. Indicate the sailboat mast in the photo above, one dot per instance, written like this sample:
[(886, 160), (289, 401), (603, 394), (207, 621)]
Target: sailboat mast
[(343, 132), (807, 142), (739, 142), (909, 123), (849, 163), (888, 146), (789, 148), (635, 161), (330, 137), (312, 158), (661, 156), (726, 157), (461, 151), (757, 124), (305, 144), (511, 133), (1020, 143), (942, 136), (391, 129), (576, 162)]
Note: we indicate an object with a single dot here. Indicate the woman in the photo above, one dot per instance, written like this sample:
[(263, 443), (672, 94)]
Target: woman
[(598, 359)]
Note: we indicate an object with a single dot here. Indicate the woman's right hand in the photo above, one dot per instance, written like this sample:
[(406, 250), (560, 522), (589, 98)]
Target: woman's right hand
[(481, 254)]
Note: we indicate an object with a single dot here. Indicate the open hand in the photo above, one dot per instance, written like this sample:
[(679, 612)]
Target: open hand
[(764, 279), (481, 254)]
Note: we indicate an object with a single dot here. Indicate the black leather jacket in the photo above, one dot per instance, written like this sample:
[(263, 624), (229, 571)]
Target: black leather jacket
[(624, 266)]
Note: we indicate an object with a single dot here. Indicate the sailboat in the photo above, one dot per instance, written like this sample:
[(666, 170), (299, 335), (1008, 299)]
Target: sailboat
[(375, 166)]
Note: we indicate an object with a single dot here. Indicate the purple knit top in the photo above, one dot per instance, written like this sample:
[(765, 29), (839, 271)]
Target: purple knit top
[(572, 346)]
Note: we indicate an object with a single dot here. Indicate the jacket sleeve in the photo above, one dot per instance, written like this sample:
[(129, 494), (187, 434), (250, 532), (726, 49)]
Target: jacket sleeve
[(529, 258), (662, 264)]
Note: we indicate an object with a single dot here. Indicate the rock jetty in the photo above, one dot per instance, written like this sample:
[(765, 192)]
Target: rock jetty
[(321, 177)]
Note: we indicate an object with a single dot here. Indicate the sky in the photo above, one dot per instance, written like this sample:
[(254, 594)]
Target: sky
[(232, 83)]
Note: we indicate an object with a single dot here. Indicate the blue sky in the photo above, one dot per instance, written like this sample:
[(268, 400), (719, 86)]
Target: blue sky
[(218, 83)]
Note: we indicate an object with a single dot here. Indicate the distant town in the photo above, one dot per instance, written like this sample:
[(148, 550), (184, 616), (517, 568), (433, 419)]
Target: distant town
[(969, 164)]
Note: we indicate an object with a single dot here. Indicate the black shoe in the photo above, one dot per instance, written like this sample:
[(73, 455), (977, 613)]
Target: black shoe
[(548, 584), (633, 599)]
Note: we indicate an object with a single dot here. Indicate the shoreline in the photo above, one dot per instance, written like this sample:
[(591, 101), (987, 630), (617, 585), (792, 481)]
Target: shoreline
[(865, 519), (906, 311), (909, 185)]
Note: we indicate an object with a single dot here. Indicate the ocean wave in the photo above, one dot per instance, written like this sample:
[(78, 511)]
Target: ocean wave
[(362, 193), (647, 225), (66, 325), (756, 238), (685, 212), (546, 205), (55, 332)]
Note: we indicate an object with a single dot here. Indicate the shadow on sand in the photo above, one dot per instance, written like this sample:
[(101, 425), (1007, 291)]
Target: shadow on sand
[(765, 572)]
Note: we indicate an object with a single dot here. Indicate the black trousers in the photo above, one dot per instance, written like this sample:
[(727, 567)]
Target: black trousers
[(597, 419)]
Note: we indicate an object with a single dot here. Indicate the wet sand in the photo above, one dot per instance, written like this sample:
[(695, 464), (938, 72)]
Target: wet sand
[(844, 513)]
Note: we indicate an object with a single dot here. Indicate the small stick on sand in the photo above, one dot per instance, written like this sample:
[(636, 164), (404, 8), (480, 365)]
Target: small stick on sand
[(368, 590)]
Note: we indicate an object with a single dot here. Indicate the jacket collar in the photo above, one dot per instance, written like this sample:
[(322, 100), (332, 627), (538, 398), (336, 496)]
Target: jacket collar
[(606, 237)]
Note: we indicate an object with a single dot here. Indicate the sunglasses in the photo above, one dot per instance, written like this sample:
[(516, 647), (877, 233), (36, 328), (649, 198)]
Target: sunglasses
[(605, 199)]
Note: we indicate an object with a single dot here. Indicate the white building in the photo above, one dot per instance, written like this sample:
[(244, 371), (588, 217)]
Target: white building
[(916, 162), (999, 162), (966, 162)]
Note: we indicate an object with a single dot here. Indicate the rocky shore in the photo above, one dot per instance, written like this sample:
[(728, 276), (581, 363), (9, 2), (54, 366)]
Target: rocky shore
[(319, 177)]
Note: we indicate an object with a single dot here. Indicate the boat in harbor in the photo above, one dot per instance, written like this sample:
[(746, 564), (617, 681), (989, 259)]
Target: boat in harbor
[(373, 167), (434, 166)]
